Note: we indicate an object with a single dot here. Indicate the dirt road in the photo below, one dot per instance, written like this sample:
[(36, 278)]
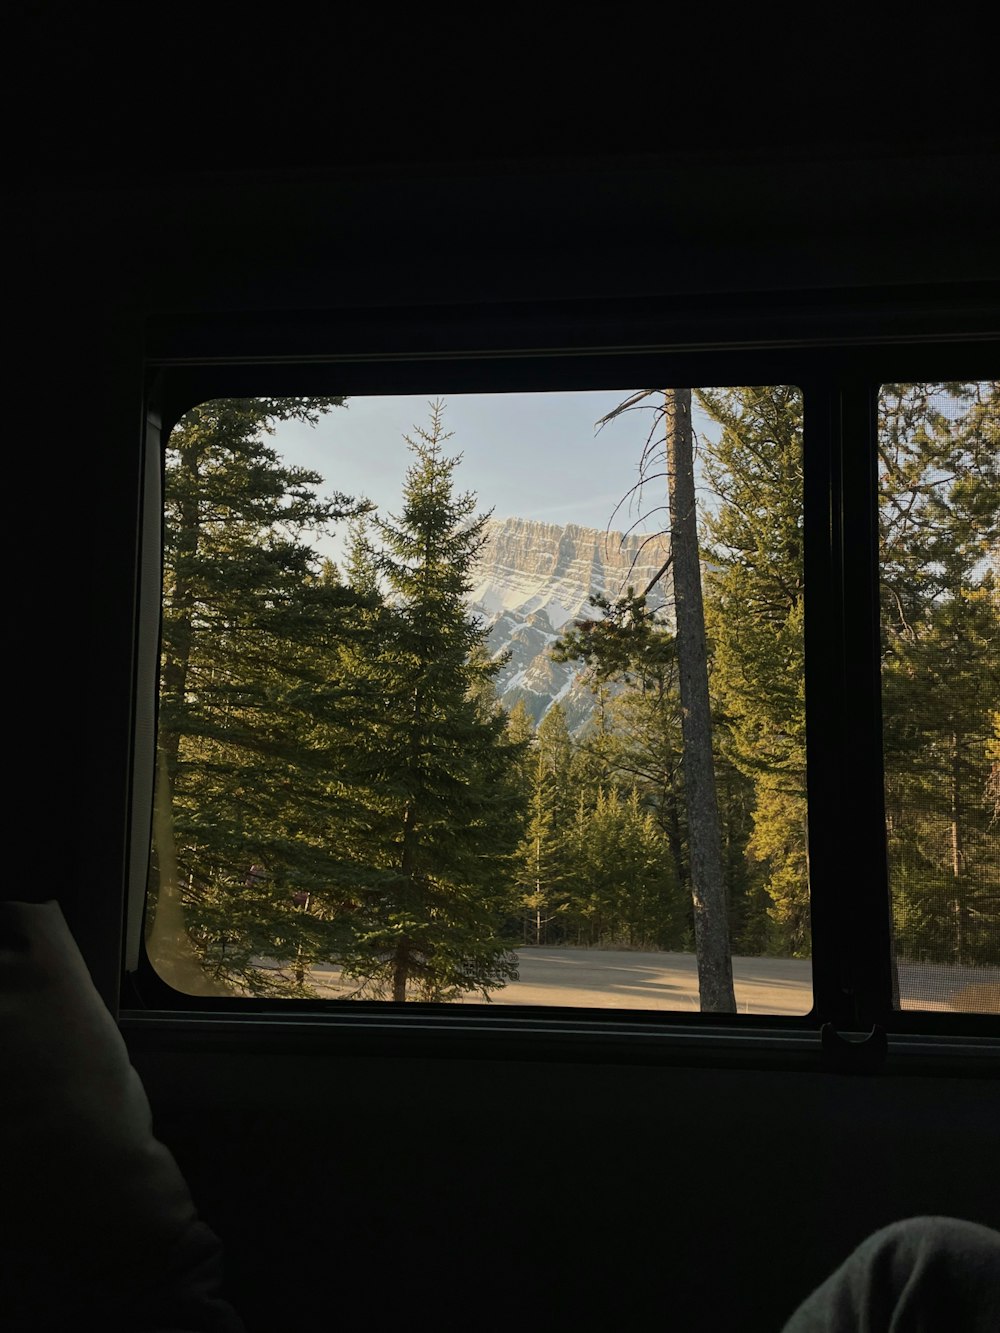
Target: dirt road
[(618, 979)]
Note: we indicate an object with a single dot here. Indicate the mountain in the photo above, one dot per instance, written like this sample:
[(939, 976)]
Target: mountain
[(532, 580)]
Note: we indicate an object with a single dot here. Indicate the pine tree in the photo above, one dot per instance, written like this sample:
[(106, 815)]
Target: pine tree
[(940, 525), (243, 601), (993, 778), (646, 722), (434, 774), (635, 746), (750, 637), (556, 748), (618, 887), (541, 853), (755, 618)]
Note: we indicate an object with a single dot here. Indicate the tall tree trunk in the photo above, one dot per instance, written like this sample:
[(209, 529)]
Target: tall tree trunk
[(670, 823), (400, 971), (711, 926), (401, 958), (957, 854), (168, 944), (178, 648)]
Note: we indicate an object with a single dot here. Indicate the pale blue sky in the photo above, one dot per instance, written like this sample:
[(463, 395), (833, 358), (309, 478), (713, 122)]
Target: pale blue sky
[(525, 455)]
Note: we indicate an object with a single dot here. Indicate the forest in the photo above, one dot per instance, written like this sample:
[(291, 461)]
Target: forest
[(337, 781)]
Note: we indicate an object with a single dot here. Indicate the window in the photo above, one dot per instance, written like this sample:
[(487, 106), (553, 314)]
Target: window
[(412, 750), (844, 948), (939, 510)]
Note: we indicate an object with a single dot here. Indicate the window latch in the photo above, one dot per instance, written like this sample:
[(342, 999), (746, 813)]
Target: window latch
[(853, 1055)]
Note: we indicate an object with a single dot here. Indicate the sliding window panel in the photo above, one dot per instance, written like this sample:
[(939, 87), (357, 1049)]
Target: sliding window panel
[(939, 539)]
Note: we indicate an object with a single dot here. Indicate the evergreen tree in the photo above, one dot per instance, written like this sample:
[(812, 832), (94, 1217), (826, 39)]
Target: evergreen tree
[(640, 744), (434, 772), (754, 649), (755, 619), (556, 748), (541, 853), (242, 603), (993, 778), (618, 887), (636, 746), (521, 729), (940, 524), (646, 719)]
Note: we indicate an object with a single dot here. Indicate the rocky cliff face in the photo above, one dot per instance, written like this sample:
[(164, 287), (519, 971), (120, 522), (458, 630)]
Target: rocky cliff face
[(532, 580)]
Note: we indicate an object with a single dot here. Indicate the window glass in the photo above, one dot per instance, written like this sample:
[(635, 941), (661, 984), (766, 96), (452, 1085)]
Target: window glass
[(500, 698), (939, 452)]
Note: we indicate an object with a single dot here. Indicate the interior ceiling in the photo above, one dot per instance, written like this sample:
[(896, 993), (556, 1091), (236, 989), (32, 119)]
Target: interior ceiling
[(111, 149), (602, 161), (357, 91)]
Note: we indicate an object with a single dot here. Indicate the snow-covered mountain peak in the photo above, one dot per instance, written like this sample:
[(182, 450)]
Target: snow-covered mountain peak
[(532, 579), (529, 566)]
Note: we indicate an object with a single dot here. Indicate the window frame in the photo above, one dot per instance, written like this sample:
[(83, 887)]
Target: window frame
[(839, 356)]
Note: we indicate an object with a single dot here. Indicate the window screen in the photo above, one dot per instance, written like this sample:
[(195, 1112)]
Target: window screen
[(939, 500)]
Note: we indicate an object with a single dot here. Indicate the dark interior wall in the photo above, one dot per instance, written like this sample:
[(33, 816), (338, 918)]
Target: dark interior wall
[(725, 221), (494, 1193), (515, 1194)]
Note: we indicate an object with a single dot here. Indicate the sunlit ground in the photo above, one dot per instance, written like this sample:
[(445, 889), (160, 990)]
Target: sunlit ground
[(620, 979)]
